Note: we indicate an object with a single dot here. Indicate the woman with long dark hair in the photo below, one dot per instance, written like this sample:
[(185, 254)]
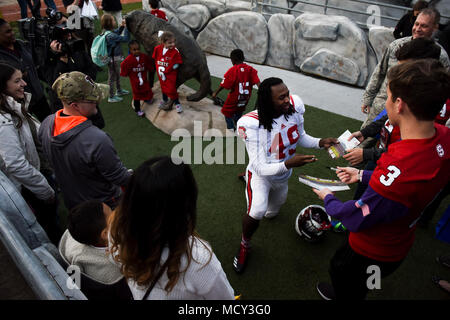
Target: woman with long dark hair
[(18, 149), (152, 236)]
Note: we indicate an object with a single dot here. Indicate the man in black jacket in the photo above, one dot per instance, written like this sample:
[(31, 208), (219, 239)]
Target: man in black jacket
[(18, 54)]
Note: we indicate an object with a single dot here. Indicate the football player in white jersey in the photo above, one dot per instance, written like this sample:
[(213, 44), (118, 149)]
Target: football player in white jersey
[(271, 134)]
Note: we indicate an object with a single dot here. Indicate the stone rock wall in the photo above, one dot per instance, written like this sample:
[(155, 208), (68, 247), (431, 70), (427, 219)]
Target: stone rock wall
[(281, 41), (244, 30), (330, 46), (344, 43)]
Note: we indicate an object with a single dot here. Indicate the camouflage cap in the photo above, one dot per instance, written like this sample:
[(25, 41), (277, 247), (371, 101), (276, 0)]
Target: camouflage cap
[(76, 86)]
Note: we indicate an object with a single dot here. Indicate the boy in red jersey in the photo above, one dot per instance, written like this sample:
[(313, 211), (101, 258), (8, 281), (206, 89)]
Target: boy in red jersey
[(155, 11), (168, 59), (407, 177), (239, 79), (136, 66)]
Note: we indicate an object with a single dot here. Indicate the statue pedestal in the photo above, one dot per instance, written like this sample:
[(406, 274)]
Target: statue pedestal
[(198, 119)]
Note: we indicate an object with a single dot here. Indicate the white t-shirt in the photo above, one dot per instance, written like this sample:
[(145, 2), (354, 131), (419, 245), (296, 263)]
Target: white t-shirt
[(202, 280)]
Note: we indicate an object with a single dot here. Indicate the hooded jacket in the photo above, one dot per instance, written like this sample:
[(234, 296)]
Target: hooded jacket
[(85, 162), (19, 153)]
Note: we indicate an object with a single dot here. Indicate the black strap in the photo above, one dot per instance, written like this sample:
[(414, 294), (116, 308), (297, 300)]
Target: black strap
[(155, 280)]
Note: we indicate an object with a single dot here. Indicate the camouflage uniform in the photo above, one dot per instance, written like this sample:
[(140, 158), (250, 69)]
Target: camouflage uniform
[(375, 94)]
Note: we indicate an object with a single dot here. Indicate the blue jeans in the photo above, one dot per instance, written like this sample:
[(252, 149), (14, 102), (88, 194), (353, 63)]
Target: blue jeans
[(231, 122), (23, 7)]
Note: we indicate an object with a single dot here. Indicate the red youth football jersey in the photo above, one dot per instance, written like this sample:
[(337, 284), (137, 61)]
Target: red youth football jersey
[(239, 79), (164, 67), (137, 68)]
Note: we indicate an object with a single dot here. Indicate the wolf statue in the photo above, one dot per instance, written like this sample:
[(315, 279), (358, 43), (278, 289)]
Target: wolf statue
[(145, 27)]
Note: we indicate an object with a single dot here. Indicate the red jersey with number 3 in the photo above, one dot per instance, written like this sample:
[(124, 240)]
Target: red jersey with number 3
[(411, 172), (239, 79), (167, 75)]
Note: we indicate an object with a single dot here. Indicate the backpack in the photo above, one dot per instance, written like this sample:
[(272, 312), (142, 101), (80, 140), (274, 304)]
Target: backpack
[(99, 50)]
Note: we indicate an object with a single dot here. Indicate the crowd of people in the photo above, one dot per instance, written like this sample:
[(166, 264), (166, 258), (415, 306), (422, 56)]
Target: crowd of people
[(124, 224)]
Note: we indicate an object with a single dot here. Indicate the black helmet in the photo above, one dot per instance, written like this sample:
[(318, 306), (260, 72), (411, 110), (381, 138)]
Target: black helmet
[(312, 222)]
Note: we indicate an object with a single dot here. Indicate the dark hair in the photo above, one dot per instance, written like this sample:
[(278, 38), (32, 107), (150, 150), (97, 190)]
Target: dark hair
[(420, 48), (132, 42), (86, 222), (432, 12), (153, 3), (237, 55), (2, 22), (423, 84), (157, 210), (419, 5), (264, 102), (6, 72)]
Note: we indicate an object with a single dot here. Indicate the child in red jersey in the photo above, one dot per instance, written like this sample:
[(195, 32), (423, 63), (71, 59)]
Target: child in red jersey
[(408, 176), (136, 66), (168, 59), (155, 11), (239, 79)]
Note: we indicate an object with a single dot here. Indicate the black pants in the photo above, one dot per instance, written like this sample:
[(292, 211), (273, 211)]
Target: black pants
[(46, 215), (349, 273), (137, 105)]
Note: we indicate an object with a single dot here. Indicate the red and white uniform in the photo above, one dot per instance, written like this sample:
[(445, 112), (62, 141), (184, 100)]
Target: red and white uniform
[(266, 174), (165, 59), (159, 13), (137, 68), (239, 79)]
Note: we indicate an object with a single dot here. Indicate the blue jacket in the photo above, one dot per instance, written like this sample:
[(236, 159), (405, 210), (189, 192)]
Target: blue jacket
[(114, 39)]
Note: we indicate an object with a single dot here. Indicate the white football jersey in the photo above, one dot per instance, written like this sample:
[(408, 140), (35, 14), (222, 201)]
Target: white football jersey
[(267, 151)]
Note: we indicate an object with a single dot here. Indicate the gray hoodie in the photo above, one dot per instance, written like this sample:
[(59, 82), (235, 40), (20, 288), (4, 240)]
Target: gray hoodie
[(86, 164)]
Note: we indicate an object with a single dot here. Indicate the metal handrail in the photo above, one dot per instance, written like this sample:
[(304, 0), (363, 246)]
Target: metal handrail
[(292, 3), (29, 265)]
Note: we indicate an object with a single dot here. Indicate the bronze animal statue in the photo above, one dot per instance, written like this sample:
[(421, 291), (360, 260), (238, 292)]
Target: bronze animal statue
[(145, 27)]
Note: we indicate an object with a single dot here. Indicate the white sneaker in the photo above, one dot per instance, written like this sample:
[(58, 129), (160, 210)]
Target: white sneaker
[(179, 108)]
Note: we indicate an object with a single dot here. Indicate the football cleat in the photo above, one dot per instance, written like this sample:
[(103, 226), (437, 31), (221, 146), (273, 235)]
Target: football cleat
[(240, 260)]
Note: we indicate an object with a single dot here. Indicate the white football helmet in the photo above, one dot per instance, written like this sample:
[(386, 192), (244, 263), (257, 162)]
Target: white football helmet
[(312, 222)]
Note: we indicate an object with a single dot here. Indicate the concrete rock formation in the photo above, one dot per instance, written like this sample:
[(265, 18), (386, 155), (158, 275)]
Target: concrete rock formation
[(244, 30), (379, 38), (341, 37), (331, 65), (204, 111), (145, 26), (281, 52), (173, 20), (195, 16)]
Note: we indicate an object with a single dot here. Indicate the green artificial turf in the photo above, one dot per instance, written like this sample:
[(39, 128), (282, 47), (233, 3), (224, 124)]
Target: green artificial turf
[(281, 265)]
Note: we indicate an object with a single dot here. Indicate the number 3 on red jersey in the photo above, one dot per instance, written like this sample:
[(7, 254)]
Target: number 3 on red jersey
[(278, 145), (393, 173)]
